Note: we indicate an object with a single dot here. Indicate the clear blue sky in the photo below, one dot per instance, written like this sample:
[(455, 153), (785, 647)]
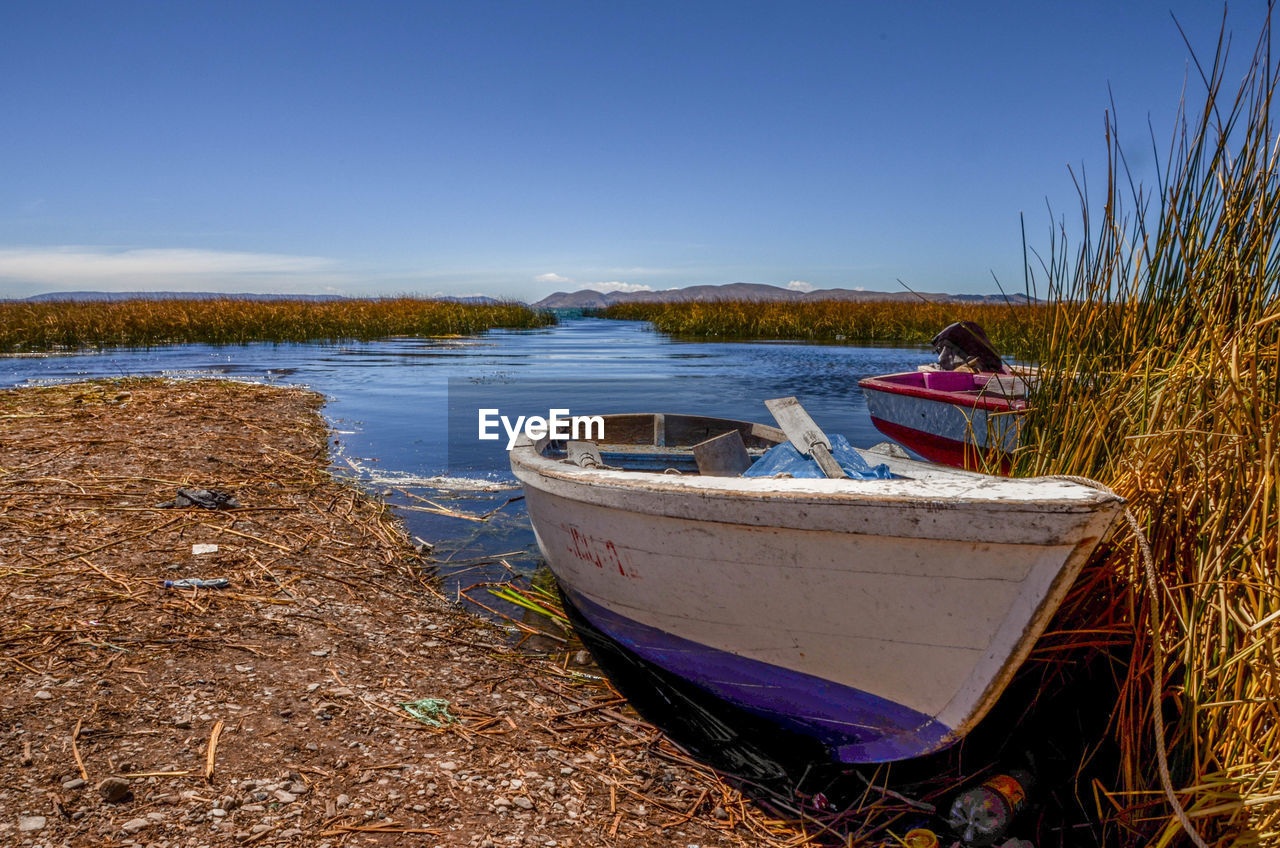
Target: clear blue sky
[(518, 148)]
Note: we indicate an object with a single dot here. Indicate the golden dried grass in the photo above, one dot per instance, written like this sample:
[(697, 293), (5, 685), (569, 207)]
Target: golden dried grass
[(38, 325), (1009, 325), (1161, 377)]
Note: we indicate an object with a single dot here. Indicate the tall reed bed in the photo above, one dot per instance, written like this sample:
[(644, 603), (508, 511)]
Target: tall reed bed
[(36, 326), (1009, 326), (1161, 378)]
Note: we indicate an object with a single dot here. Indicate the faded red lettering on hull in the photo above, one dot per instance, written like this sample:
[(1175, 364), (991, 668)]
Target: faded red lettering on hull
[(602, 553)]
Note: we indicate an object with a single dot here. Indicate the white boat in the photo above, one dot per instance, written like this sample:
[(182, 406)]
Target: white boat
[(881, 617)]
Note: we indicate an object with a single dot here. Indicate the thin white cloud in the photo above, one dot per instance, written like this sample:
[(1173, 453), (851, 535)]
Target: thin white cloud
[(801, 286), (617, 287), (550, 277), (104, 267), (642, 271)]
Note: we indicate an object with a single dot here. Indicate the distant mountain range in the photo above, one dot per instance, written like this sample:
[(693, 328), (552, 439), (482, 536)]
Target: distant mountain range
[(589, 299)]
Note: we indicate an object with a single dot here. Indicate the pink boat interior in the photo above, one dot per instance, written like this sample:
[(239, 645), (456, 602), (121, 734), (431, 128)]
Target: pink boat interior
[(960, 382)]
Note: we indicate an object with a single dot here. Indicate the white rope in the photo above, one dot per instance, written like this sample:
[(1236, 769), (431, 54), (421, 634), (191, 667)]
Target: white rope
[(1157, 656)]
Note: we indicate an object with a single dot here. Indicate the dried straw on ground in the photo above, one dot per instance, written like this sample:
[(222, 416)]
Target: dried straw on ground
[(272, 712)]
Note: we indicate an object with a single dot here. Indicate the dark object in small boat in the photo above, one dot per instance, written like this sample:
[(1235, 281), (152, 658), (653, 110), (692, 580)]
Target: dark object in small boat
[(203, 498), (722, 456), (965, 343)]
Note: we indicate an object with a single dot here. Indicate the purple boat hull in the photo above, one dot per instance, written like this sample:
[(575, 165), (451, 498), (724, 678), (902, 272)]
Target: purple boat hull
[(856, 726)]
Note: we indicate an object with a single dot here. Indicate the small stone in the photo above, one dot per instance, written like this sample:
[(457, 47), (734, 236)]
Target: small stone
[(299, 788), (182, 722), (44, 695), (217, 812), (582, 658), (522, 802), (244, 668), (30, 824), (285, 797), (323, 652), (74, 783), (135, 825), (720, 813), (114, 789), (291, 833), (448, 765), (260, 828), (343, 800), (501, 802)]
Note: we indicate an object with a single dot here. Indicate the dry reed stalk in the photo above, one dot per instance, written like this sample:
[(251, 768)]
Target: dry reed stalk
[(211, 753), (1162, 379)]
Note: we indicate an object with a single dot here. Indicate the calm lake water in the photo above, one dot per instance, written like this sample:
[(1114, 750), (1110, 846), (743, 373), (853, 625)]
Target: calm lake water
[(389, 404)]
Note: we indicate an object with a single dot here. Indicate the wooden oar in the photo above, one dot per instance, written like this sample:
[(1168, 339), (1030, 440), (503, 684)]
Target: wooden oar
[(806, 435)]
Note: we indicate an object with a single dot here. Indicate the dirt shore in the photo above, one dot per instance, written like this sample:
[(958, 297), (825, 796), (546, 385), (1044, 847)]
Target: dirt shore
[(271, 712)]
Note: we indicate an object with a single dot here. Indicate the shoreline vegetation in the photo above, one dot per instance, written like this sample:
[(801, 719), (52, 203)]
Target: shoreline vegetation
[(1012, 328), (1166, 387), (37, 326)]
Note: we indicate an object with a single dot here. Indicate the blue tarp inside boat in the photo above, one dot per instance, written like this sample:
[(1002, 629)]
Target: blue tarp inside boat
[(785, 459)]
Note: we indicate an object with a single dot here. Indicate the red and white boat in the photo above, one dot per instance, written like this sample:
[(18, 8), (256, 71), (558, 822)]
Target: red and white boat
[(961, 418), (965, 411)]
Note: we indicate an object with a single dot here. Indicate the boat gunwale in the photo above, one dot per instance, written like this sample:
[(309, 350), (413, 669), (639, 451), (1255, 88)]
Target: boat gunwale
[(993, 402), (935, 487)]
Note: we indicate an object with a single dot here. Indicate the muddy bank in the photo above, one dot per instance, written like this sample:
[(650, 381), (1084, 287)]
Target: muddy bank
[(271, 712)]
